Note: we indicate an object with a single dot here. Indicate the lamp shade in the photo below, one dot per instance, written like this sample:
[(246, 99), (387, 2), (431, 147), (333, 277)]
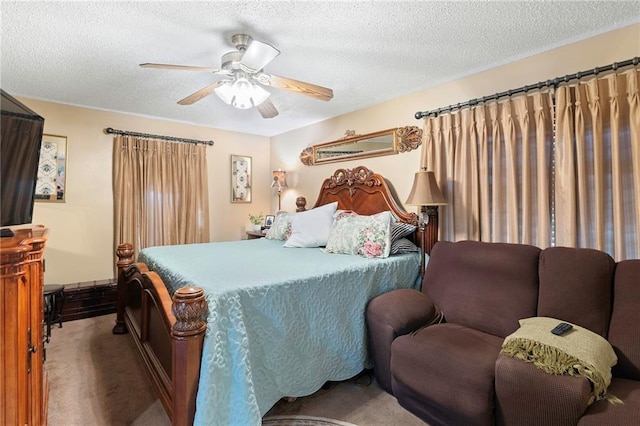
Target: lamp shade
[(242, 93), (279, 179), (425, 191), (225, 92)]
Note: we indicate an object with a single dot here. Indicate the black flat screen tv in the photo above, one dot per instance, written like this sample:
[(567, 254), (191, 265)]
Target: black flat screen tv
[(21, 136)]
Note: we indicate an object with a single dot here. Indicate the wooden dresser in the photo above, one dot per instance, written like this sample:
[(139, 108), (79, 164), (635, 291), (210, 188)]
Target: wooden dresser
[(23, 383)]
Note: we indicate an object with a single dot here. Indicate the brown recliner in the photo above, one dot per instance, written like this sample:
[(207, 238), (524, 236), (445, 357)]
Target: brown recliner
[(606, 303), (444, 373), (451, 373)]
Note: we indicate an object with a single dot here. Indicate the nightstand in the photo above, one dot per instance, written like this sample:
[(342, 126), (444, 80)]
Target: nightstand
[(251, 235)]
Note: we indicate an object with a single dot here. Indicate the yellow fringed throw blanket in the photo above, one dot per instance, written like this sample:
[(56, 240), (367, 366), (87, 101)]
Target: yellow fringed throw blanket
[(578, 352)]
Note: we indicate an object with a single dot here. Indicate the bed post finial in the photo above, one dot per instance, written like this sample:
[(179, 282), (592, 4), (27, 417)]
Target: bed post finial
[(125, 255), (189, 308), (187, 335)]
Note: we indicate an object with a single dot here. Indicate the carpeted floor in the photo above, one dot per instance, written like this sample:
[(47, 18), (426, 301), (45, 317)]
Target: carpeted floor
[(302, 421), (96, 379)]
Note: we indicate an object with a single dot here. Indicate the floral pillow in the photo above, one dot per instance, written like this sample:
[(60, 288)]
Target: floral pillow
[(281, 227), (368, 236)]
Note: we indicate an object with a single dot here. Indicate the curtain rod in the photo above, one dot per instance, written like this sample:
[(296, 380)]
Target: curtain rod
[(555, 83), (110, 130)]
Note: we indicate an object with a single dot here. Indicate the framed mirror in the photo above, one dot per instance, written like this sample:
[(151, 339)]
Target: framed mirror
[(50, 184), (352, 146)]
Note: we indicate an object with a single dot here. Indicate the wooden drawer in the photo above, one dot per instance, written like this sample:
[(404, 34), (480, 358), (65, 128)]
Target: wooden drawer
[(87, 300)]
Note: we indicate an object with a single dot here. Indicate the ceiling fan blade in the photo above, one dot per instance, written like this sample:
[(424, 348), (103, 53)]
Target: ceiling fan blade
[(307, 89), (179, 67), (267, 109), (206, 91), (258, 55)]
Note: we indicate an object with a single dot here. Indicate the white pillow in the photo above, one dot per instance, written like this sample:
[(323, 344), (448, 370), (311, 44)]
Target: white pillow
[(311, 228)]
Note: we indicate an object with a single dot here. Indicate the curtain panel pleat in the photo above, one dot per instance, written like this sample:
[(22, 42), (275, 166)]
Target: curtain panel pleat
[(492, 163), (520, 170), (160, 192), (598, 167)]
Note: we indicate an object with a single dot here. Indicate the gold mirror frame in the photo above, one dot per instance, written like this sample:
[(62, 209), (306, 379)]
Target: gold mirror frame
[(352, 146)]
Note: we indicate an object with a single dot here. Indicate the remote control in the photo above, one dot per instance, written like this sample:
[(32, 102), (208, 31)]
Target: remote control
[(561, 328)]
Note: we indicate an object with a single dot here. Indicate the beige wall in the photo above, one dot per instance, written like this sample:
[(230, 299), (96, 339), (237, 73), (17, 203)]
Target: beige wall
[(80, 246), (399, 170), (81, 241)]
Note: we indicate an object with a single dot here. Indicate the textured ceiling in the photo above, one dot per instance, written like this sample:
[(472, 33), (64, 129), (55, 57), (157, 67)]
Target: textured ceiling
[(87, 53)]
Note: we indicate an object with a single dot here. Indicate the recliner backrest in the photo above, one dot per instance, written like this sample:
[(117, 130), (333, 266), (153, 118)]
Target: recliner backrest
[(624, 329), (485, 286), (576, 286)]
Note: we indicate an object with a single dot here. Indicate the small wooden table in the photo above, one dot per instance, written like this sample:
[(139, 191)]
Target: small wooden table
[(251, 235)]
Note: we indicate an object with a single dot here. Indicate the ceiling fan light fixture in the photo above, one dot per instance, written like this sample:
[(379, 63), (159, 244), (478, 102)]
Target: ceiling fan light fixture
[(225, 92), (242, 93)]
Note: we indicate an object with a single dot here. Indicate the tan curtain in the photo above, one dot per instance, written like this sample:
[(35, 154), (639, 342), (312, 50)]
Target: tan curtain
[(492, 163), (598, 164), (160, 192)]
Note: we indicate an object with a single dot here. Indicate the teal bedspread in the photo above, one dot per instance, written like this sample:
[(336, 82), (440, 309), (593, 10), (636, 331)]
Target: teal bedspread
[(281, 321)]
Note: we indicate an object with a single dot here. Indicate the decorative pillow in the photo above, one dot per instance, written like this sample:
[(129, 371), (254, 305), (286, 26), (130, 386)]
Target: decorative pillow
[(341, 213), (368, 236), (281, 227), (399, 244), (403, 245), (311, 228), (400, 230)]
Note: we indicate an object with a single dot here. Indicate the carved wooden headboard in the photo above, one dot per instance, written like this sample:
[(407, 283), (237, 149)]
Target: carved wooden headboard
[(367, 193), (364, 192)]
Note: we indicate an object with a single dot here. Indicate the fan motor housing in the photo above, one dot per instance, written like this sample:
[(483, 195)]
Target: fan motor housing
[(241, 41)]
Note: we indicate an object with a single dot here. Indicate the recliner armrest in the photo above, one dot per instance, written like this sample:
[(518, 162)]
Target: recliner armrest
[(404, 310), (394, 314), (527, 396)]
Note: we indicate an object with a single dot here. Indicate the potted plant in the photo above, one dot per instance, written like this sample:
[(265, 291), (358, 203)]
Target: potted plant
[(256, 220)]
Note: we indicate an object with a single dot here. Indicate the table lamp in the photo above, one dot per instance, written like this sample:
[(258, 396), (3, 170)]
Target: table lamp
[(279, 182)]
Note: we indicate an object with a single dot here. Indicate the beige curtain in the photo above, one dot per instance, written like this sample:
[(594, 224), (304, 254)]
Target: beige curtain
[(598, 164), (492, 163), (160, 192)]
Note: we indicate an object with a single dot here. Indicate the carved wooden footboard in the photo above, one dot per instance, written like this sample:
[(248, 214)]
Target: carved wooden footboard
[(168, 332)]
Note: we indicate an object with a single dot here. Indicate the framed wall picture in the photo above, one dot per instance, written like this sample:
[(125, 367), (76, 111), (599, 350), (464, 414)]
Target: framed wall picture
[(50, 184), (240, 179), (268, 220)]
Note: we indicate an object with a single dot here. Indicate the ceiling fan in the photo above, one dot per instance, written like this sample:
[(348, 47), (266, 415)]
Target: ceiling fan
[(244, 77)]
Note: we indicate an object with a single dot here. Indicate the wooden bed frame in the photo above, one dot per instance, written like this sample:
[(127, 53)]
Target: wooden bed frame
[(169, 331)]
